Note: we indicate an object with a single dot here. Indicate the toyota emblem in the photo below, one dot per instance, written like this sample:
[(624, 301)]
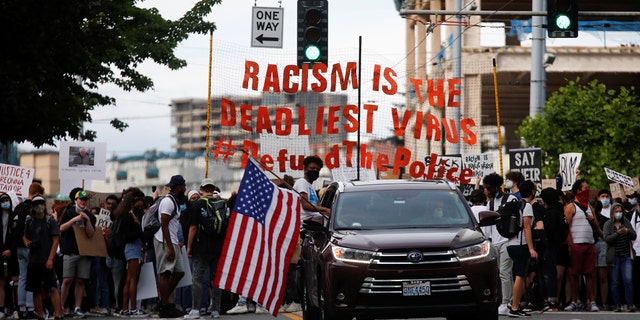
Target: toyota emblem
[(414, 256)]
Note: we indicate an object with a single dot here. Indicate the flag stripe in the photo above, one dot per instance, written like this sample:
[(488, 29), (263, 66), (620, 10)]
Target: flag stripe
[(262, 236)]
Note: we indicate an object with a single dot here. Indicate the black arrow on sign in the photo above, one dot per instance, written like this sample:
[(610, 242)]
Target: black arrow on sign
[(261, 38)]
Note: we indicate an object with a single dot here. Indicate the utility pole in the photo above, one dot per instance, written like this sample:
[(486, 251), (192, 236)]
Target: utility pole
[(537, 95)]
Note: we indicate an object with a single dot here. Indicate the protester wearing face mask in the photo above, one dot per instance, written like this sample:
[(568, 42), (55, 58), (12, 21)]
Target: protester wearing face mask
[(310, 202), (512, 181), (131, 209), (603, 212), (492, 184), (8, 248), (619, 235)]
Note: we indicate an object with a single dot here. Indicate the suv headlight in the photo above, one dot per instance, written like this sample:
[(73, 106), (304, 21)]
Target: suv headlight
[(475, 251), (351, 255)]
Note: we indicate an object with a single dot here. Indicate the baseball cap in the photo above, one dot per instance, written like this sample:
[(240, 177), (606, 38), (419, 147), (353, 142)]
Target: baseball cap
[(205, 182), (176, 180), (81, 195), (38, 198)]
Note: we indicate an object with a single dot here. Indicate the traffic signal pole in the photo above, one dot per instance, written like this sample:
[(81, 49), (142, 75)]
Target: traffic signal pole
[(538, 85)]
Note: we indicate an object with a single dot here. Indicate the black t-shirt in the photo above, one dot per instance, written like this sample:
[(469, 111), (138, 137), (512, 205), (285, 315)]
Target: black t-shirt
[(68, 243), (203, 245), (41, 237)]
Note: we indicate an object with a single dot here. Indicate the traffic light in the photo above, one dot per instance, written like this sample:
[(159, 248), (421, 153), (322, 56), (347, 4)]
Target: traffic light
[(562, 18), (312, 31)]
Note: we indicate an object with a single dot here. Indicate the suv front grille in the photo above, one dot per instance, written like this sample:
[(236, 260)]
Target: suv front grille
[(400, 259), (444, 284)]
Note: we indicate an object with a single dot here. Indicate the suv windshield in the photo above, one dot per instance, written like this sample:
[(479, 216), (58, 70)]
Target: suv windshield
[(400, 209)]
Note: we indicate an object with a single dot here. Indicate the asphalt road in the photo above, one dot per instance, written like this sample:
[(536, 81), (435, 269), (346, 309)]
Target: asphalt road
[(544, 316)]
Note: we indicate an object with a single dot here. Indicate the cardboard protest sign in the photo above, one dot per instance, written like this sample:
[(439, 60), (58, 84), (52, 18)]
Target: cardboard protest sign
[(482, 164), (103, 220), (636, 186), (16, 179), (548, 183), (617, 191), (569, 164), (95, 246)]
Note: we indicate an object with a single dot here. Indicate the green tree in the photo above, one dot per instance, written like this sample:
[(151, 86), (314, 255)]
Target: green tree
[(58, 53), (603, 124)]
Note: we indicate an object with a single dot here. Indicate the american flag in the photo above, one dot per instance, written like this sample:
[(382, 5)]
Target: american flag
[(263, 232)]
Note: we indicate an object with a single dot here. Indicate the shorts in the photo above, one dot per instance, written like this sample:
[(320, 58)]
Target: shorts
[(583, 259), (520, 256), (39, 277), (133, 250), (75, 266), (563, 259), (601, 253), (163, 264)]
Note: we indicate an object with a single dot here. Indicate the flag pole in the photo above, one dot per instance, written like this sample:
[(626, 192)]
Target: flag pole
[(290, 187)]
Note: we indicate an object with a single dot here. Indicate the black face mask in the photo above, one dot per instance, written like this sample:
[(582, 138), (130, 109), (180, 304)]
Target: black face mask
[(138, 211), (313, 175)]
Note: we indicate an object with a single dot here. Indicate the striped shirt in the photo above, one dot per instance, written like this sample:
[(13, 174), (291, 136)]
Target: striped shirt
[(581, 231)]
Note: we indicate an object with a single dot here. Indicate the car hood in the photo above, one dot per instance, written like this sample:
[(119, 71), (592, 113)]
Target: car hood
[(436, 238)]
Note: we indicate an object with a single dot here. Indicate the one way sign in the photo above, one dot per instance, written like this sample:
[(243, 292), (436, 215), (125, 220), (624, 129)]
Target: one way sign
[(266, 27)]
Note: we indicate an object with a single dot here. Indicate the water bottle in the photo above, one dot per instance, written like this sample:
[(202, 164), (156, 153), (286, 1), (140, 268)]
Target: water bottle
[(512, 224)]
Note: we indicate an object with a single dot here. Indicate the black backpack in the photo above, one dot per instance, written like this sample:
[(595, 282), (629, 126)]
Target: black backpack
[(556, 226), (509, 224), (214, 218), (117, 238)]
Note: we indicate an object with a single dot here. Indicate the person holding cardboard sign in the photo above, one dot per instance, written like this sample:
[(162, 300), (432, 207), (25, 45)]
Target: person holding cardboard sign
[(75, 267)]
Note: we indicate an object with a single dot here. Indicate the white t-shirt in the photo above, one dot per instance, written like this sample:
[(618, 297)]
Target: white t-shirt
[(476, 212), (495, 236), (166, 207), (520, 238), (303, 186)]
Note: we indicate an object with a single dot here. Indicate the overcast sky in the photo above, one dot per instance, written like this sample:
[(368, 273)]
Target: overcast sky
[(147, 114)]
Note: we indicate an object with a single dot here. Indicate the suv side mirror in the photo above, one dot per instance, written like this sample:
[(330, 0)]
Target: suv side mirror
[(488, 218)]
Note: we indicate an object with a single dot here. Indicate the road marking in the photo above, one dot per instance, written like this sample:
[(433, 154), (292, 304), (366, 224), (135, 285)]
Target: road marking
[(294, 316)]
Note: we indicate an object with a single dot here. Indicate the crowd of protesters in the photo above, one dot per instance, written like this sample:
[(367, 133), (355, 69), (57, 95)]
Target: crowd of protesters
[(577, 250)]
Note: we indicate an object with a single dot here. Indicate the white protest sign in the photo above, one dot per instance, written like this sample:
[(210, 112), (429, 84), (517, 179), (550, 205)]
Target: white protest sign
[(482, 164), (147, 286), (286, 147), (569, 163), (104, 219), (619, 177), (82, 160), (347, 173), (16, 179), (186, 279)]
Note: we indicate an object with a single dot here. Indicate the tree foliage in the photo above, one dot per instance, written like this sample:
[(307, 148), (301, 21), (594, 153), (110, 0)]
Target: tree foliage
[(57, 53), (603, 124)]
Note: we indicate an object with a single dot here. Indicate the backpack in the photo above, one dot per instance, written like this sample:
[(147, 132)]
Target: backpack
[(151, 221), (556, 227), (214, 217), (509, 224), (116, 239)]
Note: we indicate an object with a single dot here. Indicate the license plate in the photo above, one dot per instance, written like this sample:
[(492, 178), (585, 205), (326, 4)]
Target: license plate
[(416, 288)]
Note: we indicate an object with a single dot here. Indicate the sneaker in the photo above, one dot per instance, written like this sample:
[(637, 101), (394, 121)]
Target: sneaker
[(580, 306), (518, 313), (503, 309), (193, 314), (204, 312), (571, 307), (594, 307), (215, 314), (30, 314), (550, 306), (284, 308), (261, 310), (238, 309), (124, 313), (78, 314), (137, 313), (632, 308), (294, 307), (170, 311)]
